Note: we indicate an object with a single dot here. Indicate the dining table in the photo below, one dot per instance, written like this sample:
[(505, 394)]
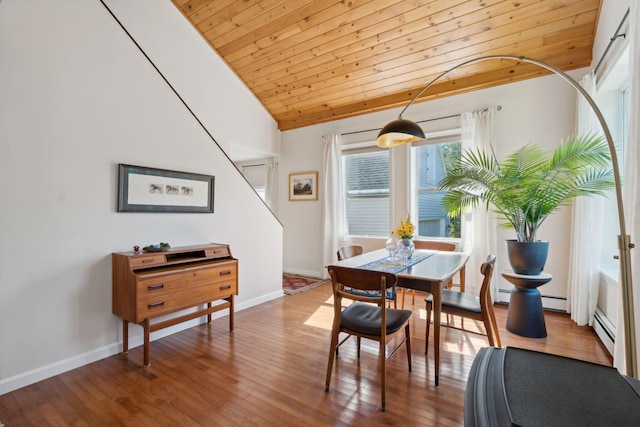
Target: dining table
[(427, 271)]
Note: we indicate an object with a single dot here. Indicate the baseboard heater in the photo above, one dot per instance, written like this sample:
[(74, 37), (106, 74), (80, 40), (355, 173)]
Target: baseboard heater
[(605, 330), (549, 302)]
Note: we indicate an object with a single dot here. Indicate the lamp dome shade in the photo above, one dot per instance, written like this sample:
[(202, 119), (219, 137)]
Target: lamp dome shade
[(399, 132)]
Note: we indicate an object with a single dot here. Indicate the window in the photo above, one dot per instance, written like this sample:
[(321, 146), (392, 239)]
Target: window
[(429, 165), (612, 96), (366, 180)]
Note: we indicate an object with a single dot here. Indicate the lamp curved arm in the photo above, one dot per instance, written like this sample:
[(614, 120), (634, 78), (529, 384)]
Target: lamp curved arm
[(624, 240)]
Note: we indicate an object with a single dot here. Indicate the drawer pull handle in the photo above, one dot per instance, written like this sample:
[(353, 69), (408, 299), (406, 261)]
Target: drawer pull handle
[(225, 273), (156, 304), (224, 288), (147, 260), (155, 286)]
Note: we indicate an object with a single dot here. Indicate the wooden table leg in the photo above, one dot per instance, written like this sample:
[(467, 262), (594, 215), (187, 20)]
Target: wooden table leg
[(436, 292), (462, 288)]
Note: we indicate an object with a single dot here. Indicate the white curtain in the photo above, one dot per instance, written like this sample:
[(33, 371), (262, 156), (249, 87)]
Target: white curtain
[(333, 212), (479, 226), (271, 187), (586, 230), (631, 185)]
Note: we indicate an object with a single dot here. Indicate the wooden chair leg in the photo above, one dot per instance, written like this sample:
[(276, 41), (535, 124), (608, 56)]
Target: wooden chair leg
[(413, 296), (407, 335), (428, 327), (402, 300), (383, 360), (489, 329), (494, 329), (332, 351)]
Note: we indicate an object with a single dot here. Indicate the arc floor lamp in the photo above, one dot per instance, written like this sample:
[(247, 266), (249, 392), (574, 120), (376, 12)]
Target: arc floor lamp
[(402, 131)]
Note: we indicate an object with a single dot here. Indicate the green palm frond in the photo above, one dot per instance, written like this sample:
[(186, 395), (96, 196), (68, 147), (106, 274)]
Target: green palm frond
[(529, 184)]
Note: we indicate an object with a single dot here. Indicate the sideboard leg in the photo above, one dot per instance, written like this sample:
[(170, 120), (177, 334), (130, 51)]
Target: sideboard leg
[(209, 315), (231, 313), (125, 336), (146, 325)]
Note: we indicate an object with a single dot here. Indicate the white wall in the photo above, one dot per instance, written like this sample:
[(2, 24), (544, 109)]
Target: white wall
[(244, 130), (77, 99), (538, 110)]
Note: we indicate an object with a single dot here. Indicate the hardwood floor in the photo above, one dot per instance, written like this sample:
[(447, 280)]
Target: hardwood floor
[(270, 372)]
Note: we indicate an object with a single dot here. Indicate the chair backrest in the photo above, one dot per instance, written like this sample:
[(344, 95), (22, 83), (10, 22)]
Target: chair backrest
[(485, 290), (349, 251), (434, 245), (359, 284)]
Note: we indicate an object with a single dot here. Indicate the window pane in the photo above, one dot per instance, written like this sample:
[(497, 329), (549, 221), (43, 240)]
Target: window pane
[(367, 193), (431, 163)]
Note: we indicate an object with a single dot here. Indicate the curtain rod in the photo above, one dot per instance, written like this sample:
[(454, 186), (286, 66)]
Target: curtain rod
[(421, 121), (613, 39)]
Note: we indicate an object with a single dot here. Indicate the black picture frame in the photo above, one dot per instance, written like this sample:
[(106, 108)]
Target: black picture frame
[(146, 189)]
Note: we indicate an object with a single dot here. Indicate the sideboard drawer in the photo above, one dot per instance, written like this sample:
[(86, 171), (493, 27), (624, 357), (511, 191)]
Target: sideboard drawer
[(154, 304), (147, 261)]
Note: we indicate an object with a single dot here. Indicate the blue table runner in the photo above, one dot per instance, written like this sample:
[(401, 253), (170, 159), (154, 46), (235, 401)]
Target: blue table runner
[(396, 265)]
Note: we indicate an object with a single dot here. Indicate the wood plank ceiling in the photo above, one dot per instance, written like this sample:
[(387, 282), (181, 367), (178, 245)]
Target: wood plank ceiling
[(312, 61)]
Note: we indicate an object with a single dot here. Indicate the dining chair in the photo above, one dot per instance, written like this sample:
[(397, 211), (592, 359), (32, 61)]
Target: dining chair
[(435, 246), (470, 306), (348, 252), (351, 251), (367, 316)]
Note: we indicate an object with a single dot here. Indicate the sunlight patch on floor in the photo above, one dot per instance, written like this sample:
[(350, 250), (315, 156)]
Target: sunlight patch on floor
[(465, 342), (321, 318)]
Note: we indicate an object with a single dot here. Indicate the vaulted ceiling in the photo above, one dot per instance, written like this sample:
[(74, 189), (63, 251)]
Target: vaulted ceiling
[(311, 61)]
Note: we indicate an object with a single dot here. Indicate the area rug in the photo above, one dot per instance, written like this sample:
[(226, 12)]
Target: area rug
[(292, 284)]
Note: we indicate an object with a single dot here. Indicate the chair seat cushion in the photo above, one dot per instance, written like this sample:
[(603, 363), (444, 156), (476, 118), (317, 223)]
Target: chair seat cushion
[(365, 318), (391, 292), (459, 300)]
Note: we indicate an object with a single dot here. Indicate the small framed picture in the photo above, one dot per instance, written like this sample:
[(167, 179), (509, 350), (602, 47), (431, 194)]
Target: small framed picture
[(303, 186), (143, 189)]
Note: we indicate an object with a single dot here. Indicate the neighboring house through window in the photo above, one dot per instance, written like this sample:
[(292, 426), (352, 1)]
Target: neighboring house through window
[(367, 184), (366, 189), (429, 164)]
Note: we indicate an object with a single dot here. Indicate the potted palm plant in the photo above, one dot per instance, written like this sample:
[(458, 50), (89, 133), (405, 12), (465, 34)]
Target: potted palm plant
[(528, 186)]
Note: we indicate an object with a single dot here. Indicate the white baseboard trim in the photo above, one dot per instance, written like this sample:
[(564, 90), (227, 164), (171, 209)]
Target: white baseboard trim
[(299, 272), (30, 377), (42, 373)]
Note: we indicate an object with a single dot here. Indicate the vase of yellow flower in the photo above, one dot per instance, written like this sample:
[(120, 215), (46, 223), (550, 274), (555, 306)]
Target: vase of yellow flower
[(404, 233)]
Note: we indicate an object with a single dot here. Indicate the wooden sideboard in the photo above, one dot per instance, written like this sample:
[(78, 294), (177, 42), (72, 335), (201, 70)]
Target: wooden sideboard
[(148, 285)]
